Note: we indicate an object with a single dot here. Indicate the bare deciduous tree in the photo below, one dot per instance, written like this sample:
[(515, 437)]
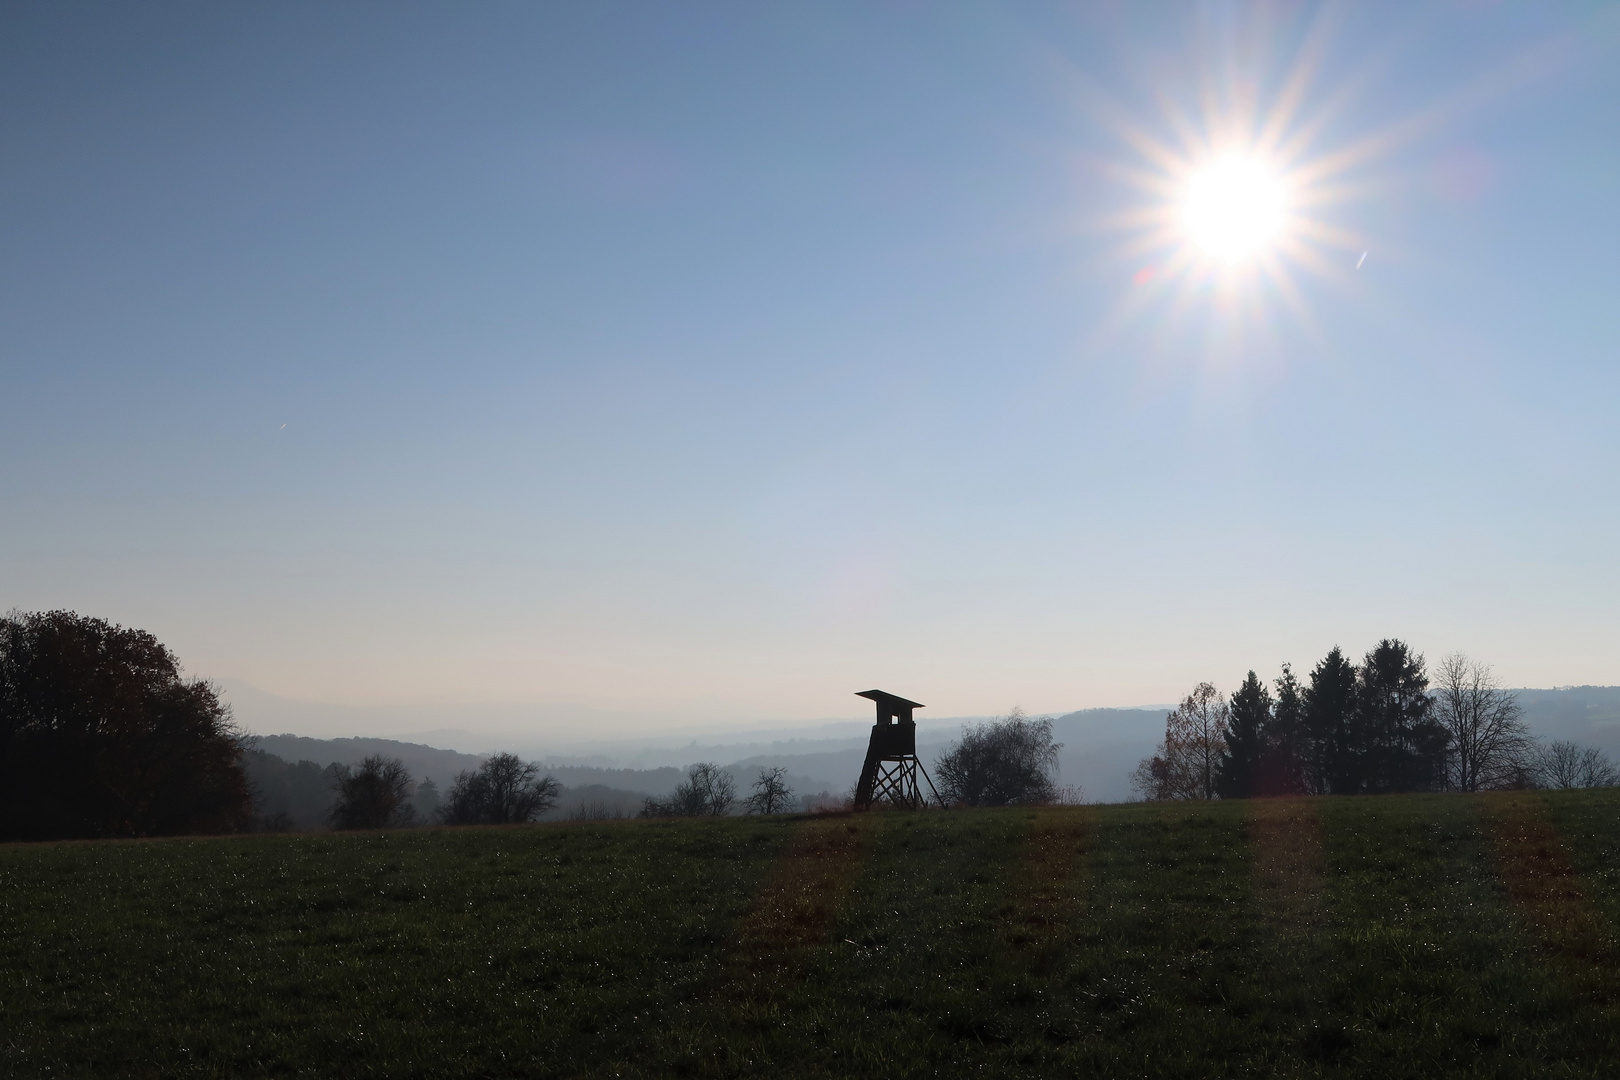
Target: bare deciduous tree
[(374, 796), (1596, 770), (771, 794), (1006, 762), (707, 791), (505, 790), (1489, 742), (1564, 764), (1188, 760)]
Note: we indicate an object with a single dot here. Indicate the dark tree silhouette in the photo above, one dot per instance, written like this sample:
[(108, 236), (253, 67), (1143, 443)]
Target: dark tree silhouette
[(1185, 764), (1564, 764), (505, 790), (1006, 762), (1239, 770), (1330, 710), (1368, 729), (374, 796), (101, 736), (1398, 744), (1489, 744), (707, 791), (771, 794), (1283, 768)]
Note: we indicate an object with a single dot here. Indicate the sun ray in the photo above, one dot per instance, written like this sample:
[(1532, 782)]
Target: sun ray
[(1304, 70)]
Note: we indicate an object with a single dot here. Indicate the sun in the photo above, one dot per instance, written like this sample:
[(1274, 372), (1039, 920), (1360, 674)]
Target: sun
[(1242, 181), (1234, 208), (1238, 201)]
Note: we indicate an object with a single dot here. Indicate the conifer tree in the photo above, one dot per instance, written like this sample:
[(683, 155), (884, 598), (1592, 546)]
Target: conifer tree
[(1398, 744), (1332, 764), (1238, 776), (1283, 769)]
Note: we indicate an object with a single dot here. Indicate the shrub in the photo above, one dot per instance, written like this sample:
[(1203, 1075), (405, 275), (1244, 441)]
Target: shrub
[(374, 796), (505, 790), (707, 791), (1005, 762), (771, 794)]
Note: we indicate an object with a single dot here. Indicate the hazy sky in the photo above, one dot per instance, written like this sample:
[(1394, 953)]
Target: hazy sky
[(714, 361)]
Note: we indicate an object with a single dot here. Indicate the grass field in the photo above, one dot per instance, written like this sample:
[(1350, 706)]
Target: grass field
[(1379, 937)]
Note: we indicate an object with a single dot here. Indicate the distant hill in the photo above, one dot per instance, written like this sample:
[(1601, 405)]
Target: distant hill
[(1588, 714), (288, 773), (424, 762), (1102, 746), (1100, 749)]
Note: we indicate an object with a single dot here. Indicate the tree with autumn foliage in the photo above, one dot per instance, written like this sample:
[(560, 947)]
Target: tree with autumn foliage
[(1186, 764)]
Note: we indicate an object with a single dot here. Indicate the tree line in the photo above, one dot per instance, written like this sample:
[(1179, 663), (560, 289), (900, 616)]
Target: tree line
[(709, 791), (379, 793), (101, 735), (1376, 727), (1006, 761)]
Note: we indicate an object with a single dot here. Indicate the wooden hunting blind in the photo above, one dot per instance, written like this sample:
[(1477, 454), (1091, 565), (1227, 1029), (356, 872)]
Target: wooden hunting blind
[(890, 773)]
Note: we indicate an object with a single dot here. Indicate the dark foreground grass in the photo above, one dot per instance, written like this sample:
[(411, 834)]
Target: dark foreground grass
[(1379, 937)]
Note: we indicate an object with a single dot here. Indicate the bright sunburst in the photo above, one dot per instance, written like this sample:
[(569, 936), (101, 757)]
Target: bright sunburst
[(1237, 186), (1242, 181), (1234, 207)]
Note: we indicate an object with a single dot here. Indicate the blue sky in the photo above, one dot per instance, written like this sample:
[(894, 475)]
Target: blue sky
[(654, 365)]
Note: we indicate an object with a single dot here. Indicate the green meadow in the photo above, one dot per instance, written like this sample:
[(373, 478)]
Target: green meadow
[(1378, 937)]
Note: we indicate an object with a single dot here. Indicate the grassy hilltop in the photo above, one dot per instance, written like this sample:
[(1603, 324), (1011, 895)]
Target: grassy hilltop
[(1378, 937)]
